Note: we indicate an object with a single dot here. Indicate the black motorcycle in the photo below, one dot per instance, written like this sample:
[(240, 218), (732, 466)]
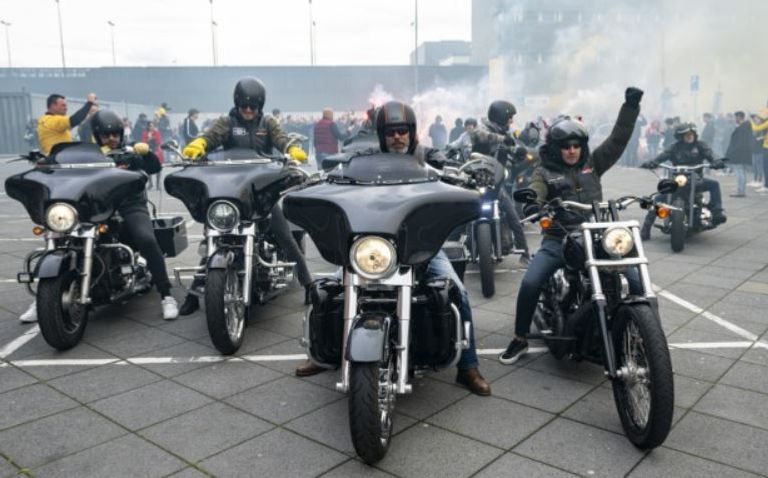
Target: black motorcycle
[(381, 217), (73, 196), (232, 193), (587, 313), (689, 213)]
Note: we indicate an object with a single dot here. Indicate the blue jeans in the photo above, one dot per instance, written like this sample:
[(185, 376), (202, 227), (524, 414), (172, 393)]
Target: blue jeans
[(741, 178), (713, 188), (547, 260), (757, 166), (440, 266)]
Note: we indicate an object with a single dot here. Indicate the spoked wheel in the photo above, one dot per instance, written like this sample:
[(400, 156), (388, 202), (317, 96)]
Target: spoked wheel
[(371, 408), (224, 309), (485, 262), (644, 391), (61, 316)]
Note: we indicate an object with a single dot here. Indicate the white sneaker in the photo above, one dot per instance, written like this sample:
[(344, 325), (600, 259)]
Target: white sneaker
[(761, 189), (754, 184), (170, 308), (30, 316)]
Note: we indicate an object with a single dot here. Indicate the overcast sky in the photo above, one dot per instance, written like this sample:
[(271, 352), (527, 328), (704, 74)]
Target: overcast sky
[(249, 32)]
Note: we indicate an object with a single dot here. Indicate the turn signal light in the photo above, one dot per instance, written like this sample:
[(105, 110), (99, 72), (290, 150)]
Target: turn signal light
[(38, 230), (545, 223), (103, 228), (662, 212)]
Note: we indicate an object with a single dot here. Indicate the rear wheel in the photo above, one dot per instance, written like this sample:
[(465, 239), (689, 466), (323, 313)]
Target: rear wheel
[(644, 392), (225, 311), (60, 315), (485, 262), (371, 408), (677, 230)]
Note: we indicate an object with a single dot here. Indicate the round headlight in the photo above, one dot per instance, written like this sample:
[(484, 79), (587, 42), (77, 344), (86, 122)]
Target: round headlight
[(618, 241), (223, 216), (681, 180), (373, 257), (61, 217)]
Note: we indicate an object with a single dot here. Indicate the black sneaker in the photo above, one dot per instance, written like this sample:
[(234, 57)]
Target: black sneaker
[(516, 349), (191, 304)]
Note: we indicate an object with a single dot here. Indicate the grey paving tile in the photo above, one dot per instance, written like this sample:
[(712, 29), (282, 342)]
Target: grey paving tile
[(289, 325), (205, 431), (478, 418), (598, 409), (698, 365), (53, 437), (688, 391), (289, 347), (131, 344), (228, 378), (30, 403), (258, 338), (584, 371), (514, 465), (276, 453), (103, 381), (687, 335), (720, 440), (540, 390), (185, 350), (7, 470), (188, 473), (356, 469), (108, 324), (490, 320), (150, 404), (283, 399), (705, 325), (736, 404), (189, 327), (11, 378), (746, 375), (663, 462), (129, 456), (424, 450), (428, 397), (581, 449), (489, 367)]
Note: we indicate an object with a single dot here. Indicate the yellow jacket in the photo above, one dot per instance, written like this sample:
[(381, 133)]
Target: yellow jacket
[(761, 127), (51, 130)]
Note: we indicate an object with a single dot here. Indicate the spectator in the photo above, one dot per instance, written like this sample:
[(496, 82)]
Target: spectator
[(653, 138), (30, 134), (139, 128), (127, 128), (708, 132), (54, 126), (760, 125), (739, 152), (163, 123), (438, 133), (327, 137), (189, 129), (153, 138), (458, 128)]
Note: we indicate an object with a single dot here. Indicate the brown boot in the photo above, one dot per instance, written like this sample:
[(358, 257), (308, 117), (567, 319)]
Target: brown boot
[(474, 382), (308, 368)]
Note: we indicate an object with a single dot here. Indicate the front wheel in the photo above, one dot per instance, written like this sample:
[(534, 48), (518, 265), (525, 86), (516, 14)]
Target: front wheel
[(371, 408), (225, 311), (485, 253), (60, 315), (677, 230), (644, 391)]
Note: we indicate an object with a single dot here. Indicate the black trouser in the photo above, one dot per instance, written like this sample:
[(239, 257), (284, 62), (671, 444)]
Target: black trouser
[(506, 205), (139, 227)]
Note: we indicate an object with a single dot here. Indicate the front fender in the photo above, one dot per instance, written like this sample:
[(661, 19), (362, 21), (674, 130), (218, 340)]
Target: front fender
[(55, 263), (369, 338), (220, 260)]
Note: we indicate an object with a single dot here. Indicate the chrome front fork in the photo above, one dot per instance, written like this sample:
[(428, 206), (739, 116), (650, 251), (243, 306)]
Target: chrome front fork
[(350, 311), (85, 286)]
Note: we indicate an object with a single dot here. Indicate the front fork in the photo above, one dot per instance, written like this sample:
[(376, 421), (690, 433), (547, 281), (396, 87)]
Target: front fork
[(85, 287)]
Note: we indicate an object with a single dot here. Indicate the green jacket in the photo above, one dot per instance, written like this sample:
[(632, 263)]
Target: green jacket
[(262, 134)]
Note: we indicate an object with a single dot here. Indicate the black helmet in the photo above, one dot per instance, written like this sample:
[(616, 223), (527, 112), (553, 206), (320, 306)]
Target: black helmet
[(683, 128), (392, 114), (565, 128), (531, 135), (105, 122), (500, 113), (250, 92)]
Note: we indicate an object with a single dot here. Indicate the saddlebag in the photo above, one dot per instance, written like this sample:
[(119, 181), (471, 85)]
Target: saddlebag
[(325, 324), (434, 325), (171, 234)]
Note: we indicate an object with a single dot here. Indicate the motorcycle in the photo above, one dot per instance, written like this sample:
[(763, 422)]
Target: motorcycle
[(73, 195), (232, 193), (381, 217), (689, 213), (586, 312)]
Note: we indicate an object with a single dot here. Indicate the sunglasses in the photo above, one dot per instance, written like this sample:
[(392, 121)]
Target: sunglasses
[(110, 135), (570, 145), (400, 131), (253, 108)]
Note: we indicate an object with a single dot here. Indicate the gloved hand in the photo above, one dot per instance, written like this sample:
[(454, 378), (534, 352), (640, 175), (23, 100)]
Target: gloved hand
[(141, 148), (633, 96), (519, 153), (195, 148), (717, 164), (297, 154), (509, 139), (649, 165), (531, 209)]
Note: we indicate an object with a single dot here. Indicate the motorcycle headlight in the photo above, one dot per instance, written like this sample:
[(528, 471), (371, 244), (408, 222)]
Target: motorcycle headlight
[(373, 257), (681, 180), (61, 217), (223, 216), (618, 241)]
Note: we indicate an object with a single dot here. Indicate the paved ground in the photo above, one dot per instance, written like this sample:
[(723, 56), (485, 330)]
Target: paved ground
[(144, 397)]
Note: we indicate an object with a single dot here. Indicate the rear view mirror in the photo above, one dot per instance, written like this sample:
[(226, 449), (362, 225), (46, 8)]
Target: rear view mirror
[(170, 145), (525, 196), (666, 186)]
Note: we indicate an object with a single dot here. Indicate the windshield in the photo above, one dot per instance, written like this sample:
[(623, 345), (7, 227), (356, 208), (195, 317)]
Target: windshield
[(383, 168), (238, 155), (78, 153)]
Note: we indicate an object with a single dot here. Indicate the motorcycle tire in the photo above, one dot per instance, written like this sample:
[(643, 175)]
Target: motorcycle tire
[(485, 259), (226, 319), (677, 230), (640, 344), (62, 320), (370, 429)]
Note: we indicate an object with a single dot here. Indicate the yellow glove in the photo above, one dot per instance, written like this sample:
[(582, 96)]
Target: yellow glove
[(141, 148), (297, 154), (195, 148)]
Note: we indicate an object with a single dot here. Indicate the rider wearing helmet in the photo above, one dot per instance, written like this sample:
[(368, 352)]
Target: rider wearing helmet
[(688, 150), (568, 171), (247, 126)]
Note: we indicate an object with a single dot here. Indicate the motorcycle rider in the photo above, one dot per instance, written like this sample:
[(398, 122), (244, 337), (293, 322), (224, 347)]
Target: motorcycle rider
[(567, 171), (108, 131), (689, 151), (247, 126)]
